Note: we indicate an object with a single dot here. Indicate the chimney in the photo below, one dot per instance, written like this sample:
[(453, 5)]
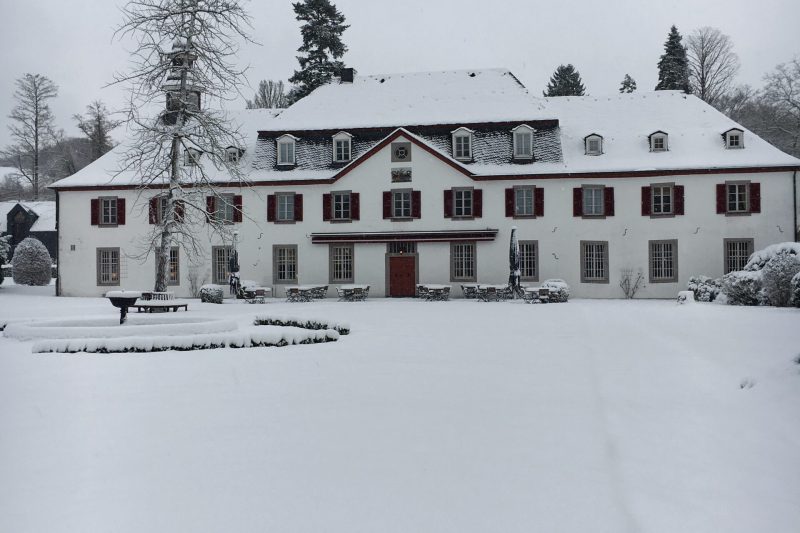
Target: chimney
[(347, 75)]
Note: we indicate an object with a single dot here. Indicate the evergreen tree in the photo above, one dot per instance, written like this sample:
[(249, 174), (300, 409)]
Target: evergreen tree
[(97, 125), (322, 46), (31, 264), (673, 66), (565, 81), (628, 84)]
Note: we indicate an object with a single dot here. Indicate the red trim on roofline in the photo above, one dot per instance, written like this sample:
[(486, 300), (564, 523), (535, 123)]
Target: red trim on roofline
[(412, 236), (543, 123)]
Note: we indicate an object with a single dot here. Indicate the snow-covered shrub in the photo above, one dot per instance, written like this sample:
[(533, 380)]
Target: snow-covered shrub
[(776, 278), (704, 288), (760, 258), (5, 251), (796, 290), (742, 287), (31, 263), (561, 294), (211, 294), (686, 297)]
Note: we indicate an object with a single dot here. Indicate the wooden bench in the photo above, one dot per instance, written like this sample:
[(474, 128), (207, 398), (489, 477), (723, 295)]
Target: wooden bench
[(159, 301)]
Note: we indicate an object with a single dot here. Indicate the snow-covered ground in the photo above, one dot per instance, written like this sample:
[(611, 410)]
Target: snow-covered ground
[(590, 416)]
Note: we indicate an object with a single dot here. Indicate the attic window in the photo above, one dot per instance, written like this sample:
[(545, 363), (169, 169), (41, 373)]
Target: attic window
[(286, 152), (462, 144), (342, 147), (523, 142), (234, 154), (191, 157), (658, 142), (734, 138), (594, 144)]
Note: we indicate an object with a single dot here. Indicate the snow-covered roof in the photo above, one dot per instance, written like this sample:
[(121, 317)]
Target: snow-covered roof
[(45, 210), (418, 98)]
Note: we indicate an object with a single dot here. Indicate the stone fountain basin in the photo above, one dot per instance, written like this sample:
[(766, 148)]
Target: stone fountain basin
[(109, 327)]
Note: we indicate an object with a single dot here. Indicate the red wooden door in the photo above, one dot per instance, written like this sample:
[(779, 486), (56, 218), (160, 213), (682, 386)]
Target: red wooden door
[(402, 276)]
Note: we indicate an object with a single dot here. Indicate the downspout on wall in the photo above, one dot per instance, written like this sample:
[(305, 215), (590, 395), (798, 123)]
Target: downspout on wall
[(58, 245)]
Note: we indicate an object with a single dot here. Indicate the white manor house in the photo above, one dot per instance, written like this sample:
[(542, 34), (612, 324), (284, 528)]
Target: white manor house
[(399, 179)]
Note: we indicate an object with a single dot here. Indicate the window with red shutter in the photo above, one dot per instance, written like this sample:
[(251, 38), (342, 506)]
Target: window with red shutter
[(510, 202), (538, 202), (211, 206), (271, 208), (416, 204), (448, 203), (152, 213), (755, 197), (647, 201), (355, 206), (237, 208), (326, 206), (94, 211), (298, 207), (721, 203), (679, 199), (180, 209), (477, 199), (577, 202), (387, 204), (120, 211), (608, 201)]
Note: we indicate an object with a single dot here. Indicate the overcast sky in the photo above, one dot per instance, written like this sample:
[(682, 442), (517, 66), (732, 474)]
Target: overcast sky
[(71, 41)]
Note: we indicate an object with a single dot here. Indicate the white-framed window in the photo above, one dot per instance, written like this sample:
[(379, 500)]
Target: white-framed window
[(341, 263), (462, 261), (284, 263), (658, 142), (342, 147), (401, 203), (737, 253), (737, 197), (594, 261), (523, 201), (663, 261), (234, 154), (662, 199), (220, 262), (529, 260), (224, 208), (594, 144), (286, 150), (108, 211), (174, 273), (341, 208), (191, 157), (284, 207), (463, 202), (462, 144), (593, 204), (734, 138), (108, 266), (523, 142)]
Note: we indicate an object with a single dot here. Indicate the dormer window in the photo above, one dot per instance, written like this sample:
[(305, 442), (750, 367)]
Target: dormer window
[(286, 152), (523, 142), (462, 144), (233, 154), (593, 144), (658, 141), (342, 147), (191, 157), (734, 138)]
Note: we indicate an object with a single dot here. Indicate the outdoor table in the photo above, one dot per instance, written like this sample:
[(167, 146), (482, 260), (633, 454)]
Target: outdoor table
[(256, 294), (470, 290), (352, 293), (493, 293), (536, 294), (300, 293), (434, 292)]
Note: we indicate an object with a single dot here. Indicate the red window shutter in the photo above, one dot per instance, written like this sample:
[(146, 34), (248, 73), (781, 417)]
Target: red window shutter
[(755, 197), (448, 203), (237, 208), (477, 203), (152, 214), (510, 202), (95, 211), (416, 204), (608, 197), (355, 206), (180, 209), (211, 205), (120, 211), (271, 208), (577, 202), (538, 202), (326, 207), (387, 204), (678, 193), (647, 203), (721, 204), (298, 207)]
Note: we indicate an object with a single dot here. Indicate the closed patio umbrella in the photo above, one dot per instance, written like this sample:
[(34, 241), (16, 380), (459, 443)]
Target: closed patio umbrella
[(513, 264)]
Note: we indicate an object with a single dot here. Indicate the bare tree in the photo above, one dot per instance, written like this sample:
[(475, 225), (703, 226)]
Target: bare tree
[(782, 92), (97, 124), (270, 95), (713, 64), (31, 127), (185, 51)]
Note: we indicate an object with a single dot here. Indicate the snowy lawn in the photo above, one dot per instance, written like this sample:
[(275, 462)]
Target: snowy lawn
[(590, 416)]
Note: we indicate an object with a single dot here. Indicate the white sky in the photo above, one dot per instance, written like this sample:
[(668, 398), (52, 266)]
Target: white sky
[(70, 41)]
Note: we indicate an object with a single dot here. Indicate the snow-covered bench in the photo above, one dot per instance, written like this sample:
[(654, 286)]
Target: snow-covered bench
[(160, 301)]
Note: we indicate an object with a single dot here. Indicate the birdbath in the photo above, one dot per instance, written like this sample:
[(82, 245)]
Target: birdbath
[(123, 300)]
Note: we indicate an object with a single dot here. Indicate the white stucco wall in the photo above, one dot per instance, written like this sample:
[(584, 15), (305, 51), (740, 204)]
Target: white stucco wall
[(700, 232)]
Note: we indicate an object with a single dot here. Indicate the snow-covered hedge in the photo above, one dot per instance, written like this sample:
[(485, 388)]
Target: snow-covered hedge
[(32, 263), (109, 327), (5, 251), (245, 339), (776, 278), (342, 328), (211, 294), (760, 258), (742, 287), (796, 290), (561, 292), (766, 278), (704, 288)]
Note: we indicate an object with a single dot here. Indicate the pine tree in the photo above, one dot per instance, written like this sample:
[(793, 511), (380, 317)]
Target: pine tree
[(97, 125), (628, 84), (322, 45), (566, 81), (673, 66)]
